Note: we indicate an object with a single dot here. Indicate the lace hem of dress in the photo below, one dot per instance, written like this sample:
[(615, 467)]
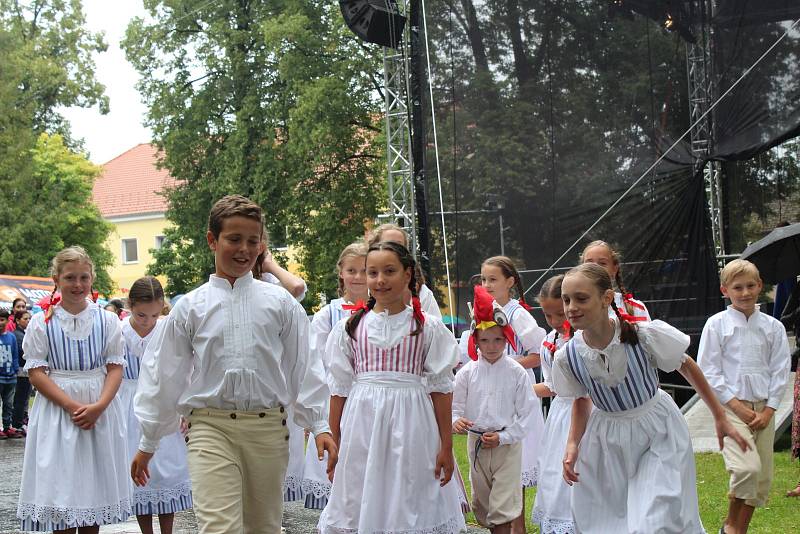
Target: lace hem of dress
[(316, 488), (75, 517), (439, 383), (339, 389), (454, 525), (553, 526), (117, 360), (165, 495), (530, 478), (33, 364)]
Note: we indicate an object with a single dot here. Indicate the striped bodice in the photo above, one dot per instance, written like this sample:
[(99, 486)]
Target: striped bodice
[(131, 371), (639, 386), (405, 357), (67, 354), (512, 308), (336, 311)]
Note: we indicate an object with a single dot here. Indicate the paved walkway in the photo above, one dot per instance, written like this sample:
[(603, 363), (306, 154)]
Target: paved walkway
[(297, 519)]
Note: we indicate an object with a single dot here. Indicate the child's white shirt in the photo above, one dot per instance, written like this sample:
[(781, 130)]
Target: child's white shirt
[(241, 347), (494, 397), (272, 279), (428, 302), (525, 326), (745, 358)]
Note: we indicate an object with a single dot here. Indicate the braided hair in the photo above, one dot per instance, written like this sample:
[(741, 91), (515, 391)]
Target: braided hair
[(509, 270), (551, 289), (407, 261), (602, 281)]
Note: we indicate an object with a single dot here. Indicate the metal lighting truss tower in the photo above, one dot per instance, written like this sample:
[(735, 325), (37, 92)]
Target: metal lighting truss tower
[(396, 78), (701, 96)]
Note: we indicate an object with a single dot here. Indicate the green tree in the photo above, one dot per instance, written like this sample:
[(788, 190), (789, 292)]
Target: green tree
[(52, 208), (273, 100)]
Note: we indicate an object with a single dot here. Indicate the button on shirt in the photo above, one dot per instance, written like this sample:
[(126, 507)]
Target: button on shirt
[(495, 396), (241, 347), (745, 358)]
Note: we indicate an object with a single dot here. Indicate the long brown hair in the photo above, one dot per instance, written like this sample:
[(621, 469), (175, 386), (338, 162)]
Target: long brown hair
[(509, 270), (551, 289), (407, 261), (600, 278)]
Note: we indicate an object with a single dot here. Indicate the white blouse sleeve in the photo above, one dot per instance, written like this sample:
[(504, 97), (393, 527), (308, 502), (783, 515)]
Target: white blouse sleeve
[(114, 351), (35, 345), (428, 302), (528, 330), (665, 344), (525, 405), (441, 356), (166, 368), (318, 336), (564, 382), (547, 367), (460, 391), (463, 347), (339, 355), (305, 376)]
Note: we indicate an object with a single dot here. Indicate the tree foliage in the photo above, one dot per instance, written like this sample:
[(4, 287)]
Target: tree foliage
[(52, 208), (273, 100)]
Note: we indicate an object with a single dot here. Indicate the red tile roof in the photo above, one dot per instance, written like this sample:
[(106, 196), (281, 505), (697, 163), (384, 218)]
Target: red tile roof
[(130, 184)]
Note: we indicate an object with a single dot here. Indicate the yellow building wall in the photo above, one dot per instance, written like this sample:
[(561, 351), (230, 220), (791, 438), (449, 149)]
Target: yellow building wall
[(144, 230)]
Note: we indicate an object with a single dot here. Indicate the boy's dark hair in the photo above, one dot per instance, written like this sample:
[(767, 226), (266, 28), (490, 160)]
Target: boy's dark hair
[(18, 315), (145, 289), (4, 313), (232, 206)]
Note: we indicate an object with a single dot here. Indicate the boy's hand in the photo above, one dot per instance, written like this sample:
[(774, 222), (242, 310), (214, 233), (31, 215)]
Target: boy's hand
[(461, 425), (140, 473), (444, 466), (570, 459), (490, 440), (762, 419), (725, 428), (325, 443), (742, 411), (86, 416)]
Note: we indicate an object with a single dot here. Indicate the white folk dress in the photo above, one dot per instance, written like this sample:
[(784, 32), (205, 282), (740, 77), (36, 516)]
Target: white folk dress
[(635, 463), (528, 338), (73, 477), (552, 510), (384, 481), (316, 486), (169, 489)]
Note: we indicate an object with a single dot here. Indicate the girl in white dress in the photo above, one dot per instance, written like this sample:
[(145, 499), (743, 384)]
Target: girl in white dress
[(74, 473), (630, 460), (351, 270), (169, 489), (551, 510), (391, 381), (499, 276), (605, 256)]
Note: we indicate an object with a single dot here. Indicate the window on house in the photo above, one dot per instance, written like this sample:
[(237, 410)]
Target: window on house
[(130, 251), (159, 242)]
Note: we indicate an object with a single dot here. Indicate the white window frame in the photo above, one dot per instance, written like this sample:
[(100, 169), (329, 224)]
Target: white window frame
[(156, 244), (125, 259)]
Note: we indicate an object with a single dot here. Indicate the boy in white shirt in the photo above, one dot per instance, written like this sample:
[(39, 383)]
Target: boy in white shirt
[(493, 401), (745, 356), (232, 357)]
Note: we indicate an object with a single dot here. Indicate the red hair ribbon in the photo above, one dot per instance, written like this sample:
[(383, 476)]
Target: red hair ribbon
[(631, 318), (628, 299), (48, 305), (95, 295), (417, 305), (549, 346), (567, 329), (524, 304), (359, 305)]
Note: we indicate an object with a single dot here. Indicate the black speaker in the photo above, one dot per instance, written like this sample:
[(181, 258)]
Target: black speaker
[(375, 21)]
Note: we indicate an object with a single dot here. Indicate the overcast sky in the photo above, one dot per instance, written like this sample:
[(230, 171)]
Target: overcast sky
[(109, 135)]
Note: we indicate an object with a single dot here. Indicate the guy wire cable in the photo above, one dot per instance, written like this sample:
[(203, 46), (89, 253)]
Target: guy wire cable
[(660, 158), (438, 171)]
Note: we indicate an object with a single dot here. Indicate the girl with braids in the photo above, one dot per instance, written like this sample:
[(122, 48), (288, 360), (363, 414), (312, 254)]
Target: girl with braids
[(169, 489), (551, 509), (391, 381), (74, 471), (499, 276), (630, 460), (351, 272), (605, 256), (394, 233)]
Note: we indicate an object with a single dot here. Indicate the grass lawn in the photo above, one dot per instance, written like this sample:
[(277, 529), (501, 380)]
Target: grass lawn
[(781, 516)]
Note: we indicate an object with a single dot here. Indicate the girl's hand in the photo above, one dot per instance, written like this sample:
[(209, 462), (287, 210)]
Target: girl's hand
[(325, 443), (461, 425), (139, 470), (86, 416), (570, 459), (444, 466), (490, 440), (725, 428)]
